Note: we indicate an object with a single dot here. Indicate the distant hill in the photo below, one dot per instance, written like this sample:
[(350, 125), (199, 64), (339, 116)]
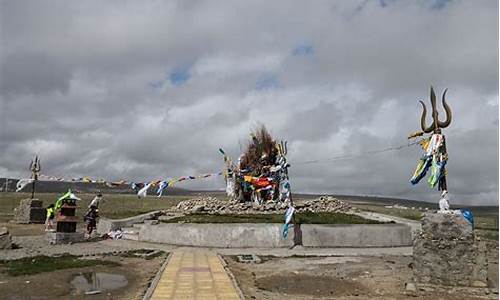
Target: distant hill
[(386, 201), (9, 185)]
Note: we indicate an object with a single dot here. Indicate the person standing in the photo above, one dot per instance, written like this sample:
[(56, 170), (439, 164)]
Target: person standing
[(49, 221), (96, 201)]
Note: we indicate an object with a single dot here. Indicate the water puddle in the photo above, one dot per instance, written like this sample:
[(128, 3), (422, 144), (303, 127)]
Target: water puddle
[(90, 283)]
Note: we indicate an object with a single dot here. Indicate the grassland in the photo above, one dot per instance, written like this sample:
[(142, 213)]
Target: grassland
[(412, 214), (113, 206), (485, 218), (40, 264), (302, 218)]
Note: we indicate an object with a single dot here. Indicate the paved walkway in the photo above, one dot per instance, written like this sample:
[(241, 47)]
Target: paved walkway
[(195, 275)]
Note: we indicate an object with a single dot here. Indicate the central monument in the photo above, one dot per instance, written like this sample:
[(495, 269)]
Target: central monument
[(260, 174)]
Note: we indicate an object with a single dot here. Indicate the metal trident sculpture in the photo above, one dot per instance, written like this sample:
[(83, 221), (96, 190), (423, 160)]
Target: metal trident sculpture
[(436, 125), (35, 169)]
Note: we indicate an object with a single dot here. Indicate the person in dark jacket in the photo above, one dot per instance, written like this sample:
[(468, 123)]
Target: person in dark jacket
[(90, 219)]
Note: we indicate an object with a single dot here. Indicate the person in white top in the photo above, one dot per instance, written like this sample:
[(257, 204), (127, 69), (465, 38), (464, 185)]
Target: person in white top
[(444, 204), (96, 201)]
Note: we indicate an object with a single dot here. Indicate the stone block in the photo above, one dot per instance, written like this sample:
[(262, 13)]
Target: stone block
[(64, 237), (5, 238), (30, 211), (151, 222), (436, 226), (447, 253)]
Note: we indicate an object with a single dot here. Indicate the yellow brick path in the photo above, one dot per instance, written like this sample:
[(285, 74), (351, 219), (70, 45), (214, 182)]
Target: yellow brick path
[(195, 275)]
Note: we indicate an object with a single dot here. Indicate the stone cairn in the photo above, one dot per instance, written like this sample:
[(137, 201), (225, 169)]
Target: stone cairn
[(212, 205), (447, 253), (29, 211)]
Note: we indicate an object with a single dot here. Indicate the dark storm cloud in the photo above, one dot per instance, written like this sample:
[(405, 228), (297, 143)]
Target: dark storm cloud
[(27, 73), (326, 116), (124, 89)]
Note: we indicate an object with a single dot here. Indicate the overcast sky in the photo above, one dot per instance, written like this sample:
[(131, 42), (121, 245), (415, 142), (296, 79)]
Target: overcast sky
[(141, 90)]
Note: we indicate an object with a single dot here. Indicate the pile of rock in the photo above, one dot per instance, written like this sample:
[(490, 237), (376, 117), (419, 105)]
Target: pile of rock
[(212, 205), (447, 252), (323, 204)]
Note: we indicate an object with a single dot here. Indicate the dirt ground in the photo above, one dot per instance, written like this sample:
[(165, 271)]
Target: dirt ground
[(346, 278), (57, 284)]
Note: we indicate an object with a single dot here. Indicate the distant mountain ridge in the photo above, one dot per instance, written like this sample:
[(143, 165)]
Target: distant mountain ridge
[(9, 185)]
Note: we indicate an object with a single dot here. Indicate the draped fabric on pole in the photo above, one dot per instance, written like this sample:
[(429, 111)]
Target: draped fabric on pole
[(434, 158)]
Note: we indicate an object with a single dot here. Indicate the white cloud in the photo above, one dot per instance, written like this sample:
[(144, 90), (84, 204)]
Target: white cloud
[(76, 86)]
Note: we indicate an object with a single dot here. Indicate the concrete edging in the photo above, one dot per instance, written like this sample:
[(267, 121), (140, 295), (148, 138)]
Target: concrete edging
[(356, 235), (243, 235), (156, 279), (106, 225), (231, 277), (416, 226), (228, 235)]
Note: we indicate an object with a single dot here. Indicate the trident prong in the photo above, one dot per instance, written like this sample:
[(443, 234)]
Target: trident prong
[(436, 124), (35, 167)]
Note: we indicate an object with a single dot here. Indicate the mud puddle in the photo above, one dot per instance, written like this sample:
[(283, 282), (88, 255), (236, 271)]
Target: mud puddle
[(91, 283)]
